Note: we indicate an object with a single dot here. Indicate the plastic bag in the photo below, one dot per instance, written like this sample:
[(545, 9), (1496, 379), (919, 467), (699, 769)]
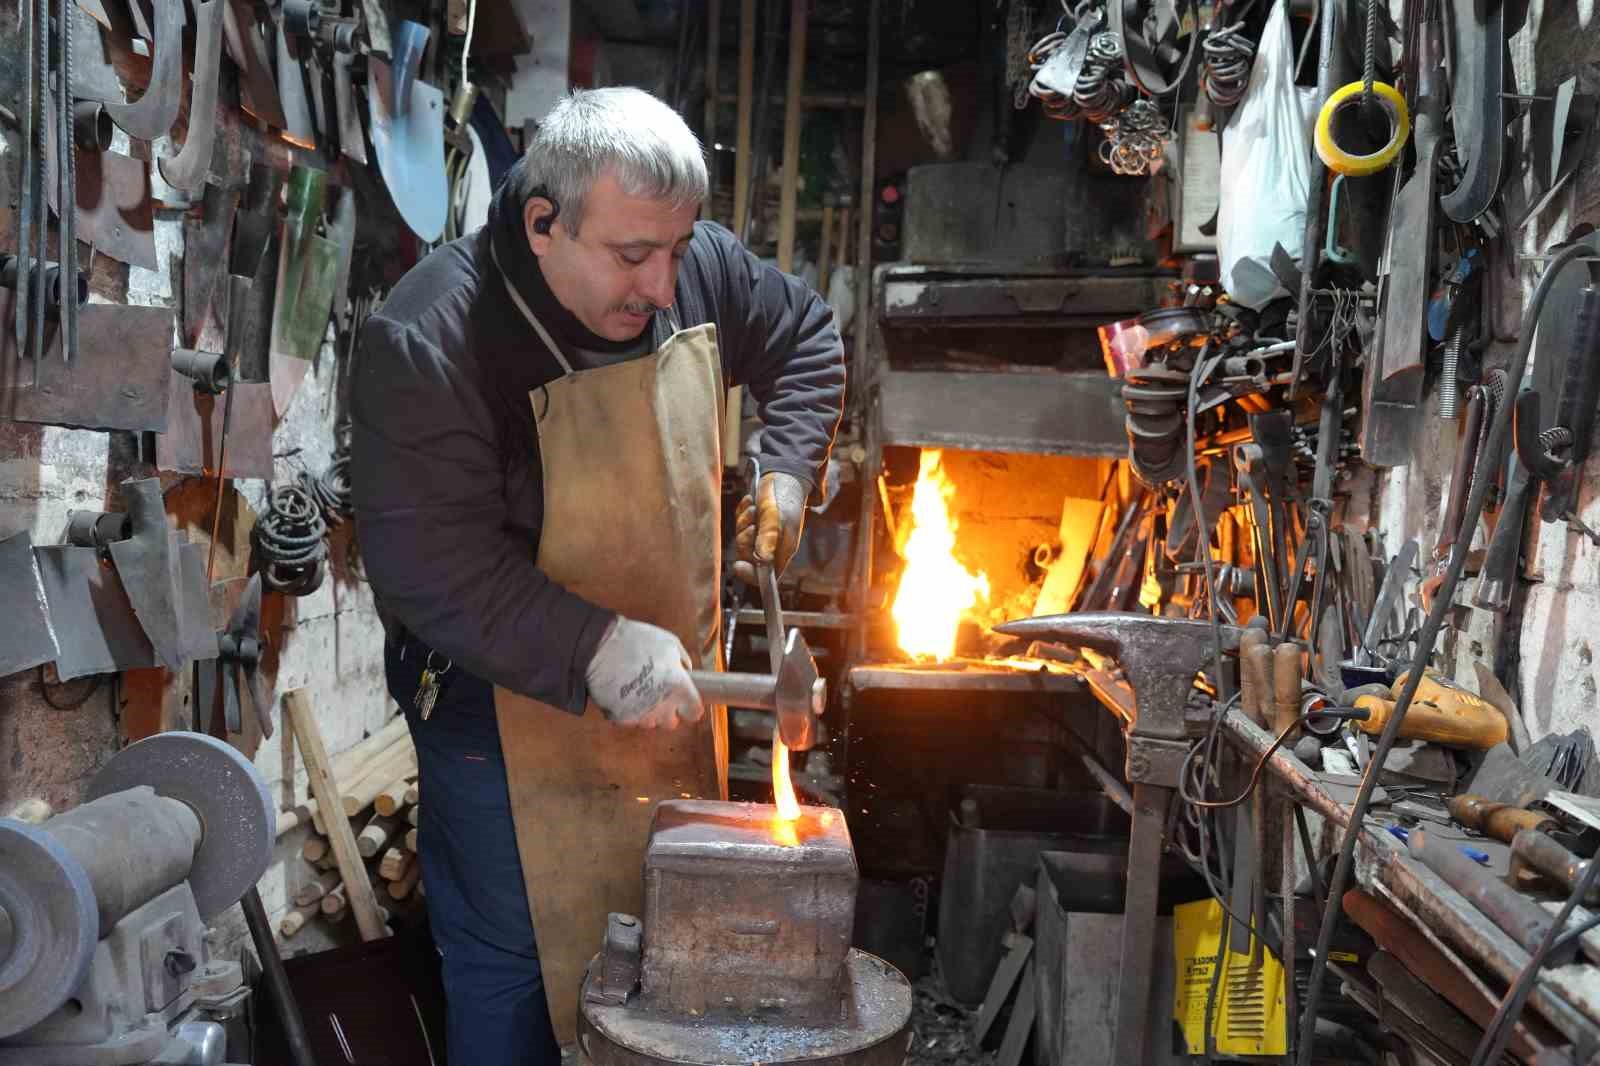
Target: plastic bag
[(1266, 170)]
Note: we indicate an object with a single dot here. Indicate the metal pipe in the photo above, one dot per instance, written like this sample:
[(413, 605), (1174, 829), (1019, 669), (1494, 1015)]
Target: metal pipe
[(1524, 920), (277, 981)]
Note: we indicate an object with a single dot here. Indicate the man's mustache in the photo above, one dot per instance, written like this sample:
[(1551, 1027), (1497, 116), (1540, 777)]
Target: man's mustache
[(646, 308)]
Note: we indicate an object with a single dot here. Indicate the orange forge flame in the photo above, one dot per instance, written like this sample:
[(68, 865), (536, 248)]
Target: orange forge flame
[(783, 797), (936, 591)]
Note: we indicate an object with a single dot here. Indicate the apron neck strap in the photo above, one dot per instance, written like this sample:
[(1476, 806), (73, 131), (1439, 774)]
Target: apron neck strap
[(527, 312), (670, 313)]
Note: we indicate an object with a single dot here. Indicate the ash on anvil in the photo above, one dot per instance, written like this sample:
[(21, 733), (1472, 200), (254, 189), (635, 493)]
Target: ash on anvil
[(748, 957)]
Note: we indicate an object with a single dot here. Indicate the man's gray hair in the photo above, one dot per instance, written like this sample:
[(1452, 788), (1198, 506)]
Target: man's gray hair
[(626, 132)]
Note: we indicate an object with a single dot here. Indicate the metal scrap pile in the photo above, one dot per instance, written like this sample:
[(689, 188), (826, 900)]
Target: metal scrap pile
[(942, 1029)]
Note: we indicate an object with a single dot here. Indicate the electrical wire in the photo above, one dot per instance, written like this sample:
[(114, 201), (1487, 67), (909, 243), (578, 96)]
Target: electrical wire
[(1443, 601), (1498, 1033)]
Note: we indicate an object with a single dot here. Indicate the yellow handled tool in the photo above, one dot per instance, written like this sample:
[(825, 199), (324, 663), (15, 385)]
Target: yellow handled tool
[(1442, 711)]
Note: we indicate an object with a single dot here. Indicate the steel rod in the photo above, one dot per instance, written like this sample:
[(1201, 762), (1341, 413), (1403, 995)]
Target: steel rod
[(277, 980)]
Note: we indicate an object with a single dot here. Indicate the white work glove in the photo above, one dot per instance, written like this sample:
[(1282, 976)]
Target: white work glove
[(639, 677)]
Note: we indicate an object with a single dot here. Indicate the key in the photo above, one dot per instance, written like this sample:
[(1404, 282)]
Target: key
[(428, 686), (427, 693)]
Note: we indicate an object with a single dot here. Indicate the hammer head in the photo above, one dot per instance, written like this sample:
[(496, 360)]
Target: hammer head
[(801, 693)]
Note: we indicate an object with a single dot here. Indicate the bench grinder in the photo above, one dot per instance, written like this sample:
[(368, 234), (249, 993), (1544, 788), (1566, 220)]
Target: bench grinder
[(103, 909)]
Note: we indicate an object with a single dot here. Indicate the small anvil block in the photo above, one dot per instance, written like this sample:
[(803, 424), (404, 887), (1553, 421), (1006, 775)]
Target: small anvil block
[(747, 915)]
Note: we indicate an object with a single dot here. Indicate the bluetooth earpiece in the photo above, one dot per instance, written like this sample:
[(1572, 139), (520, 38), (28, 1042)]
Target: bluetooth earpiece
[(542, 225)]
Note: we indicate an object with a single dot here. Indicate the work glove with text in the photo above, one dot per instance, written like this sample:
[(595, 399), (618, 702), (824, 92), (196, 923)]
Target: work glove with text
[(767, 528), (639, 677)]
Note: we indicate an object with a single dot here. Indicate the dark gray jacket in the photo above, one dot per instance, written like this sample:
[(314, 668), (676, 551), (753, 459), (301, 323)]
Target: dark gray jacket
[(445, 464)]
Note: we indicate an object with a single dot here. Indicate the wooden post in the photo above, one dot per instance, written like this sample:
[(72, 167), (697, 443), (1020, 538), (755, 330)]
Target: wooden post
[(843, 251), (731, 421), (297, 707), (869, 182), (825, 250), (713, 46), (791, 135), (747, 92)]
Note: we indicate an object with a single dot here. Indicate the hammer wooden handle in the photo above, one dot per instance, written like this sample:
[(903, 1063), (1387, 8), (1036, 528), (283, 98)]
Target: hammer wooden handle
[(1499, 820)]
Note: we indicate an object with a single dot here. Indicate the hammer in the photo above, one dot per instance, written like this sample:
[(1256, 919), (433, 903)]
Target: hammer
[(796, 693)]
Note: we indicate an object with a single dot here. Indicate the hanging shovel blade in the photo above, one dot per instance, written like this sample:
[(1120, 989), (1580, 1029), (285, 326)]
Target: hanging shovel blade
[(187, 170), (342, 232), (410, 147), (205, 241), (96, 628), (299, 128), (307, 267), (258, 90), (149, 569), (352, 141), (26, 638), (151, 116)]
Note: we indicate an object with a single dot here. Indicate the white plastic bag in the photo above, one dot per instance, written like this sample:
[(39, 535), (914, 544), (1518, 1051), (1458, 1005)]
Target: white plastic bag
[(1266, 170)]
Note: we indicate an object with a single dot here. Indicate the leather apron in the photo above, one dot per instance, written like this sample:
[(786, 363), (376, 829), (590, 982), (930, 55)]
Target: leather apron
[(632, 462)]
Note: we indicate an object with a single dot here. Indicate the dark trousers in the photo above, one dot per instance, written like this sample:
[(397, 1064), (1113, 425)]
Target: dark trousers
[(477, 903)]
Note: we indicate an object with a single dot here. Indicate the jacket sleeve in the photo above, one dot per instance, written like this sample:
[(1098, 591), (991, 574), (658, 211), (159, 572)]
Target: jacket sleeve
[(779, 339), (427, 482)]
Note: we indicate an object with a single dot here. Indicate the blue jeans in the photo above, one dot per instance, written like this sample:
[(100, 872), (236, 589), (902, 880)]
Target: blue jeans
[(477, 902)]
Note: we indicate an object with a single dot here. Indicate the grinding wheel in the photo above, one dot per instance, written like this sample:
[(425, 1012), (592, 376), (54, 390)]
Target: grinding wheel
[(51, 922), (238, 825)]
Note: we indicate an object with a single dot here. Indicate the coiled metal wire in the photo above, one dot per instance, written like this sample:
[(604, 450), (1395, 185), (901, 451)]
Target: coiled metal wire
[(1135, 139), (331, 490), (1225, 57), (289, 541), (1135, 129)]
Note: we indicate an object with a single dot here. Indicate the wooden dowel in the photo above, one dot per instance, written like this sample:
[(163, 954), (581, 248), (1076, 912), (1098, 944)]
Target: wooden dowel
[(314, 848), (375, 836), (402, 888), (325, 882), (413, 793), (414, 814), (360, 795), (791, 135), (297, 707), (296, 919), (411, 840), (394, 864), (335, 900), (392, 798)]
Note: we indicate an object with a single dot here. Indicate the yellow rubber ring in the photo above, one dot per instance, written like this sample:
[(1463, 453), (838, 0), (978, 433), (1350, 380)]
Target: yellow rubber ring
[(1357, 166)]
